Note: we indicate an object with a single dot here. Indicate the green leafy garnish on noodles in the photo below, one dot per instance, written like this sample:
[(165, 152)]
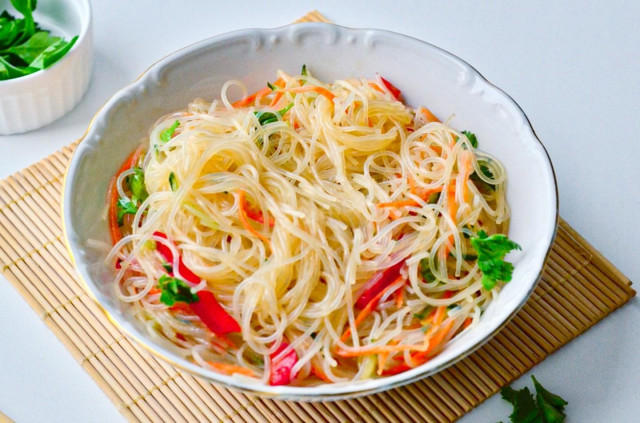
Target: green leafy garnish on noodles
[(472, 138), (136, 183), (167, 134), (175, 290), (173, 182), (270, 117), (126, 206), (491, 251)]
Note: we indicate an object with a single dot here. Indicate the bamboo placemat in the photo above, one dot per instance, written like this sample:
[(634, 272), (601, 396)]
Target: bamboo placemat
[(579, 287)]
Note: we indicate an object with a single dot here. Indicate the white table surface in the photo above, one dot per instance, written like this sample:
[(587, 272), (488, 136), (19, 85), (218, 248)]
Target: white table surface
[(573, 66)]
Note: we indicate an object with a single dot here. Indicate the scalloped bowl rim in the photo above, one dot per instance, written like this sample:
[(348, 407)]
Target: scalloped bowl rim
[(324, 391)]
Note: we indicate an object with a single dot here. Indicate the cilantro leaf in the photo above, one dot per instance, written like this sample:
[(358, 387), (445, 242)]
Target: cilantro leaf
[(126, 206), (173, 182), (551, 405), (303, 72), (486, 172), (175, 290), (491, 251), (425, 270), (472, 138), (167, 134), (547, 407), (136, 183), (524, 407), (270, 117)]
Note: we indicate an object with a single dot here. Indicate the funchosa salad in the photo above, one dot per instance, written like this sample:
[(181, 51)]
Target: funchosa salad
[(308, 233)]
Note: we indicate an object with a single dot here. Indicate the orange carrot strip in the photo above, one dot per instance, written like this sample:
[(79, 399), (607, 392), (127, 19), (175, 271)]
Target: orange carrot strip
[(377, 350), (318, 372), (313, 88), (251, 98), (467, 322), (230, 369), (383, 357), (243, 219), (370, 307), (114, 228), (402, 203), (376, 87), (399, 297), (430, 117), (435, 341)]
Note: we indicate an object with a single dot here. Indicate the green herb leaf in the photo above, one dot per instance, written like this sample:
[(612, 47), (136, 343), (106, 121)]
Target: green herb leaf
[(472, 138), (303, 72), (175, 290), (168, 267), (52, 54), (136, 183), (167, 134), (486, 172), (26, 7), (173, 183), (547, 407), (33, 47), (425, 270), (491, 251), (265, 118), (423, 313), (524, 407), (551, 405), (270, 85), (126, 206)]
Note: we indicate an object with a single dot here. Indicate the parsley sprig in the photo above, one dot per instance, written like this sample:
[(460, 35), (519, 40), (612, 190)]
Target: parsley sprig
[(546, 408), (491, 251)]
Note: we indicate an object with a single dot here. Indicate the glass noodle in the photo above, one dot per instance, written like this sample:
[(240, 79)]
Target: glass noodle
[(286, 217)]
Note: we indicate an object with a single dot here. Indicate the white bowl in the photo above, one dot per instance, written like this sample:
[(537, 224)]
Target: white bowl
[(35, 100), (425, 74)]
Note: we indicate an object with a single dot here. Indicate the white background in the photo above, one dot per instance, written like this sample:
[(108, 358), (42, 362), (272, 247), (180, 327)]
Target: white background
[(573, 66)]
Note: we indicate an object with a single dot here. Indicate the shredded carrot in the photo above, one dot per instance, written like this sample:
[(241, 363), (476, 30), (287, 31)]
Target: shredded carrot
[(370, 307), (410, 203), (243, 219), (383, 357), (397, 204), (465, 163), (320, 374), (279, 83), (230, 369), (400, 297), (467, 322), (435, 341), (114, 228), (313, 88), (453, 210), (376, 87), (356, 352), (258, 94), (429, 117)]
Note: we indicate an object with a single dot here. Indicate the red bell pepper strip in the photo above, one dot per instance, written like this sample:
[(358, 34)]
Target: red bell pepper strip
[(395, 92), (281, 368), (184, 271), (377, 283), (207, 308)]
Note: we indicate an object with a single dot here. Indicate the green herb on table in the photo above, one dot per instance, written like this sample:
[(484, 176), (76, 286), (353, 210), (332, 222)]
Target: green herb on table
[(490, 253), (26, 48), (546, 408)]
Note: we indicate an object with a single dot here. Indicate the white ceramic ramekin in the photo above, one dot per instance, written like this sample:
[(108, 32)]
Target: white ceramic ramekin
[(35, 100)]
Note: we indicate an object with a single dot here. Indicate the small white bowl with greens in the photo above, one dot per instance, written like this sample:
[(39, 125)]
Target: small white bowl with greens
[(45, 60)]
